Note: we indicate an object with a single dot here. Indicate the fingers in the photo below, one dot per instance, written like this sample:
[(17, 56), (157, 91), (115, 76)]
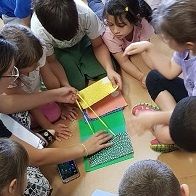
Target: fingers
[(118, 82), (71, 115), (63, 134), (105, 139), (102, 146)]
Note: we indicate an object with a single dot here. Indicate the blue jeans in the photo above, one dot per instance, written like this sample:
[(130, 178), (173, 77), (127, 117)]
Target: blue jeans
[(97, 6)]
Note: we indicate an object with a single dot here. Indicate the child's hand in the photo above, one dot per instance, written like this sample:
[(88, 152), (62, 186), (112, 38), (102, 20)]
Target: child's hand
[(61, 131), (97, 142), (141, 123), (115, 78), (66, 95), (69, 112), (137, 47)]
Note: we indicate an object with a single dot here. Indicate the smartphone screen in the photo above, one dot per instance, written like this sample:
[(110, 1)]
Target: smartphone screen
[(68, 171)]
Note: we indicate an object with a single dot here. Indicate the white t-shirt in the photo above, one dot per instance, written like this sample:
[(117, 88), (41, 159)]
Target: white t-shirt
[(89, 24)]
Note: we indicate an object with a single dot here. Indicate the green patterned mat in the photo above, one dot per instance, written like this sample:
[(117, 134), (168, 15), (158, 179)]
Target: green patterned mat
[(116, 123)]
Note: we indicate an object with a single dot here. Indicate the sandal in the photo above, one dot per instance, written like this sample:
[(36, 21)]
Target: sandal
[(163, 148), (142, 107), (47, 136)]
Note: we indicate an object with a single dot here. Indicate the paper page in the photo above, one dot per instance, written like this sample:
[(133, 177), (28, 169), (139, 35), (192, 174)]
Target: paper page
[(20, 131)]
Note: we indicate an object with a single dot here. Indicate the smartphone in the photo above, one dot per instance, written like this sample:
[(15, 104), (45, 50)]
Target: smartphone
[(68, 171)]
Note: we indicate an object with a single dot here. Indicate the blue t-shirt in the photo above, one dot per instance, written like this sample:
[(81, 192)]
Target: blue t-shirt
[(15, 8)]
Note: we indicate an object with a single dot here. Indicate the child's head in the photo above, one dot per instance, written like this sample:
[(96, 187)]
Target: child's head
[(58, 17), (122, 15), (182, 124), (8, 73), (13, 166), (175, 20), (151, 178), (29, 47)]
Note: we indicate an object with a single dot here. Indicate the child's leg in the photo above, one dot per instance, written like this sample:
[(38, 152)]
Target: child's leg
[(69, 59), (97, 6), (165, 92), (89, 65), (51, 111), (161, 132)]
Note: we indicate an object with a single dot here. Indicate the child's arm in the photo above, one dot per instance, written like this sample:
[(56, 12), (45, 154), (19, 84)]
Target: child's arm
[(128, 66), (145, 121), (61, 130), (49, 78), (48, 156), (57, 70), (26, 21), (154, 59), (103, 56), (16, 103)]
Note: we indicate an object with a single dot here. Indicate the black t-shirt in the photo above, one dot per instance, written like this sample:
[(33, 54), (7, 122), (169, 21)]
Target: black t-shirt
[(4, 132)]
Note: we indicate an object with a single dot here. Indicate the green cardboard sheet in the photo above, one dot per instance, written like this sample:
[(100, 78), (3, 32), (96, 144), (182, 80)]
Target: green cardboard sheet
[(116, 123)]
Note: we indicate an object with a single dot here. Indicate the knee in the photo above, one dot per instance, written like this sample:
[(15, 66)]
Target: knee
[(152, 78), (154, 82)]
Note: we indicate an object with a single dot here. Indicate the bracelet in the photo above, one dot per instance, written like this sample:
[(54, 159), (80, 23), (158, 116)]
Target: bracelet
[(85, 150)]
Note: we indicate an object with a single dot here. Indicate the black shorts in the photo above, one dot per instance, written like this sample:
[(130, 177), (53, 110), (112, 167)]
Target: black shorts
[(156, 83)]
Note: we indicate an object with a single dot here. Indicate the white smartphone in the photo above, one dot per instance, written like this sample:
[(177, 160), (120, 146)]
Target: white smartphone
[(68, 171)]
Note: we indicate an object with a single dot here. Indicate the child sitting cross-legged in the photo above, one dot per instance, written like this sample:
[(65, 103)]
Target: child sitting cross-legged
[(31, 62)]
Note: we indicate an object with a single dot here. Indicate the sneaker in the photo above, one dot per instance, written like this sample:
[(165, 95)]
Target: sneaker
[(163, 148), (142, 107)]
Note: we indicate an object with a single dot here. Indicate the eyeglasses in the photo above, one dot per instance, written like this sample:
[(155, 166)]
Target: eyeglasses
[(14, 74)]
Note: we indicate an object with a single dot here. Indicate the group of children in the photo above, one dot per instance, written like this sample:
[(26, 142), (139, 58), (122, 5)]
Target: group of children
[(74, 49)]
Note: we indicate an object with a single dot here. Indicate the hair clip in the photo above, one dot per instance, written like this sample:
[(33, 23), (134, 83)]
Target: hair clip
[(126, 9)]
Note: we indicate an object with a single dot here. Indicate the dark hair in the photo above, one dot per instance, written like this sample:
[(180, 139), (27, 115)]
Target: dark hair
[(29, 47), (177, 19), (13, 162), (133, 10), (182, 124), (7, 54), (149, 178), (58, 17)]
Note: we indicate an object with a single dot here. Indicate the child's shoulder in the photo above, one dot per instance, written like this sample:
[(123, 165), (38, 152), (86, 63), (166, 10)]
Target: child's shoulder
[(146, 30)]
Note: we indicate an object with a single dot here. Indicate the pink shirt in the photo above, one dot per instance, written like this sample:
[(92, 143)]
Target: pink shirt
[(140, 33)]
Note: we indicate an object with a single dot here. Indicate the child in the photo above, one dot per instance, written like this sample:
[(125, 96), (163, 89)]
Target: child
[(31, 64), (163, 83), (13, 168), (16, 11), (151, 178), (127, 21), (18, 102), (68, 39), (178, 127)]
